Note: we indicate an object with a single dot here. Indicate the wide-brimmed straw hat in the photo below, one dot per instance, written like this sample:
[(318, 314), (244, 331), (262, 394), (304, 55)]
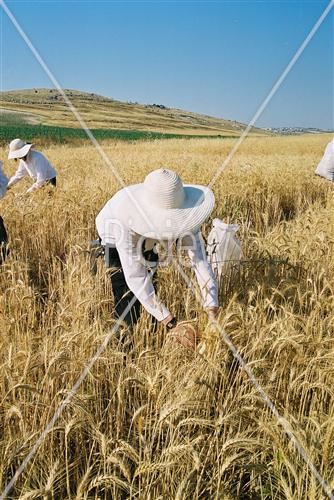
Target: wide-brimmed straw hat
[(168, 209), (18, 149)]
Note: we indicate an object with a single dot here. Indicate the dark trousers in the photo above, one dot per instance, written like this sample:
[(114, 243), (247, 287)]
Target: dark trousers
[(52, 181), (3, 241), (122, 294)]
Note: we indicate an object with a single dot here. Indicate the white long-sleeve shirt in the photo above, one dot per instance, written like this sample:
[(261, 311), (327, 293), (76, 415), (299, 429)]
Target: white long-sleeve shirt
[(3, 182), (326, 166), (38, 167), (139, 280)]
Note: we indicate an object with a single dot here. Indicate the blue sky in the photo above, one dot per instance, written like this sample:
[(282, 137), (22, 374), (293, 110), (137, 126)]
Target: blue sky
[(219, 58)]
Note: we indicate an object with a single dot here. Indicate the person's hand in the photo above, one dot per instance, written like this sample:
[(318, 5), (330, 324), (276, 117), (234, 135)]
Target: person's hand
[(212, 313), (167, 320)]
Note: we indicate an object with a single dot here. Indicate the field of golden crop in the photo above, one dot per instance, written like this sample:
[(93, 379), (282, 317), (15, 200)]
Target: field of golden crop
[(151, 420)]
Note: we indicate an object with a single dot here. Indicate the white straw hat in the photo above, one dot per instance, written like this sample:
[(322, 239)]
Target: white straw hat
[(18, 149), (169, 209)]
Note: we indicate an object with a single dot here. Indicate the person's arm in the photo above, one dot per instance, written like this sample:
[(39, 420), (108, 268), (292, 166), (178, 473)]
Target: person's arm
[(138, 279), (204, 275), (38, 183), (19, 174), (3, 182)]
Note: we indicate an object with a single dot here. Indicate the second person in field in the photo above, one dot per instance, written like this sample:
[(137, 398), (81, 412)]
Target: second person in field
[(32, 163)]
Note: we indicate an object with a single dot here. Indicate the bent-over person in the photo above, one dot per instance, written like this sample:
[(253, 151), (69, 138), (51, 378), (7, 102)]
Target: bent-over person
[(32, 163), (161, 209)]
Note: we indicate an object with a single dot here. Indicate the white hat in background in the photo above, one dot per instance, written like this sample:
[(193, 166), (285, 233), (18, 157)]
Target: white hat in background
[(171, 209), (18, 149)]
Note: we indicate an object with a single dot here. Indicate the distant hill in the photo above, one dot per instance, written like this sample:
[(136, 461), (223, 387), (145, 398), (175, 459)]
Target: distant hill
[(47, 107)]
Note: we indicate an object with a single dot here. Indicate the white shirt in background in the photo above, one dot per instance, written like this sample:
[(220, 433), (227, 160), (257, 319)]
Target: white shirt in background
[(326, 166), (38, 167), (3, 182), (137, 277)]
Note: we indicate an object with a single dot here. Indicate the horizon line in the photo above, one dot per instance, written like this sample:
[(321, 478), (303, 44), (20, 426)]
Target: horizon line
[(145, 104)]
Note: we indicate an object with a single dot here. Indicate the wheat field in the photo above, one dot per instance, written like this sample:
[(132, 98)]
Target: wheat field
[(152, 420)]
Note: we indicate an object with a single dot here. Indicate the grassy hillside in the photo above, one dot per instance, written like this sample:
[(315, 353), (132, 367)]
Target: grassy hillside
[(47, 107), (151, 420)]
